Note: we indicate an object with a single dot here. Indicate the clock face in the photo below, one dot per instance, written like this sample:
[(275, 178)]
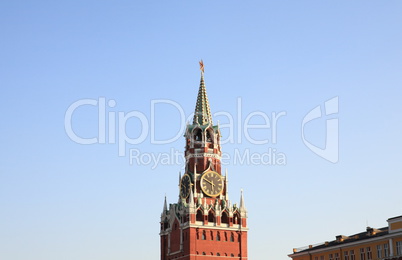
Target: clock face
[(185, 186), (212, 183)]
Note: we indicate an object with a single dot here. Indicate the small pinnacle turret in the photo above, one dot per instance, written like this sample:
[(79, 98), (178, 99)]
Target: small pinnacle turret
[(242, 204), (164, 207)]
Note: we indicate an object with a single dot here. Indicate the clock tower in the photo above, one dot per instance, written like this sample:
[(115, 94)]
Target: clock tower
[(203, 224)]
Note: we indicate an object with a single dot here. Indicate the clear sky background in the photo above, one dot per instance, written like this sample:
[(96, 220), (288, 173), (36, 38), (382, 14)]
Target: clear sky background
[(67, 201)]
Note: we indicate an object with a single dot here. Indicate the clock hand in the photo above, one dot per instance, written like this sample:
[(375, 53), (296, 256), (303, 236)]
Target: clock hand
[(210, 182)]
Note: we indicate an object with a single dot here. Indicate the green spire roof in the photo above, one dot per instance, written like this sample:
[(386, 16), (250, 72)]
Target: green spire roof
[(202, 114)]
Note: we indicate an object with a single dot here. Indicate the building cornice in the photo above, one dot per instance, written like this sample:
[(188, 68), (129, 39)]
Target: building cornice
[(345, 245)]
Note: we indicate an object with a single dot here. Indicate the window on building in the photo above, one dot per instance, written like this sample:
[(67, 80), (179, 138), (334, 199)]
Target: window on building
[(218, 254), (352, 255), (211, 217), (336, 256), (204, 236), (322, 257), (197, 135), (386, 250), (212, 235), (362, 254), (236, 218), (203, 253), (369, 254), (346, 255), (379, 251), (399, 248), (199, 216), (331, 257), (218, 236), (225, 218), (232, 238)]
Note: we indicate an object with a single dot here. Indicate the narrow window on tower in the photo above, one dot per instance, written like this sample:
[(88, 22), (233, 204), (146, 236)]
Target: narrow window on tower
[(218, 236), (209, 136), (225, 218), (197, 135), (211, 217), (199, 216), (204, 235), (232, 238), (236, 218), (212, 235)]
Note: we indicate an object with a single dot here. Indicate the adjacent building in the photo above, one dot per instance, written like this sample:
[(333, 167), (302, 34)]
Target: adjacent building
[(372, 244)]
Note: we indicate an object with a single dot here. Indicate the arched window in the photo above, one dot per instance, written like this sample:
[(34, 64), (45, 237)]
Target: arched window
[(226, 236), (197, 135), (210, 136), (232, 255), (199, 216), (204, 235), (203, 253), (218, 236), (211, 217), (218, 254), (212, 235), (236, 218), (232, 238), (225, 218)]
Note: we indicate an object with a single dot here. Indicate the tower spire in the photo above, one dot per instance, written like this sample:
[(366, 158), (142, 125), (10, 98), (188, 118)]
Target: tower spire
[(202, 113)]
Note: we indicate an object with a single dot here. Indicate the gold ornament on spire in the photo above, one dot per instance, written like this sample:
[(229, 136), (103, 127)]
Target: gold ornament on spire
[(202, 66)]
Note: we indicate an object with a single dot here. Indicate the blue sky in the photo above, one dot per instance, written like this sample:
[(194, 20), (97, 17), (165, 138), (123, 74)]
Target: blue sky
[(63, 200)]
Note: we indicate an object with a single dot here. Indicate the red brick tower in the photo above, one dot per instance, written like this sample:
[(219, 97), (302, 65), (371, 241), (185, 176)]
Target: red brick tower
[(203, 224)]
